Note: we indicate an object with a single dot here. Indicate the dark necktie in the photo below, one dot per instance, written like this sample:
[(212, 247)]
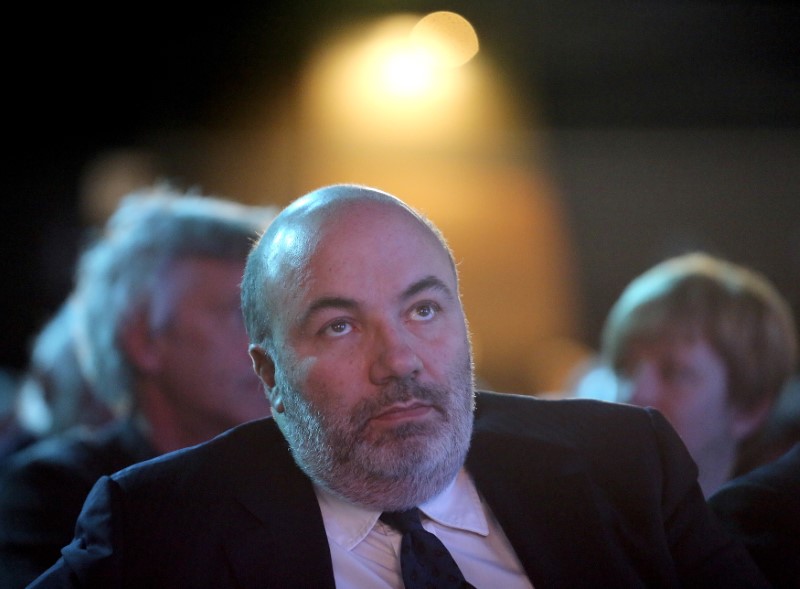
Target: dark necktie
[(424, 561)]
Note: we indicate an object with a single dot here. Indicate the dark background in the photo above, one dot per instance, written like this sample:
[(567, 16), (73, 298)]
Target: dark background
[(670, 126)]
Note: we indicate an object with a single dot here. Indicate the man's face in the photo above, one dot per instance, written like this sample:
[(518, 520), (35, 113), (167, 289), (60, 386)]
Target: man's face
[(203, 369), (373, 363)]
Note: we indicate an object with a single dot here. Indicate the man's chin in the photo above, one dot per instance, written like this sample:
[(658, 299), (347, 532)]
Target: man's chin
[(406, 450)]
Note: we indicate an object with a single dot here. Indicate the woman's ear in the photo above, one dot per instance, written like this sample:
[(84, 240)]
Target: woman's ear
[(264, 366)]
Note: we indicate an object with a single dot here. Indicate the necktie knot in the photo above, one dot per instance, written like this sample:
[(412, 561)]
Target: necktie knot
[(403, 521), (425, 563)]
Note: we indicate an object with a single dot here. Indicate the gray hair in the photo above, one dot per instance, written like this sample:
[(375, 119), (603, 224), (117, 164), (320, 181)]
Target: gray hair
[(119, 272)]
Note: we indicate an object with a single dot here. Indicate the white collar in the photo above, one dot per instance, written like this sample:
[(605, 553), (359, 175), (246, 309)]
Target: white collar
[(458, 506)]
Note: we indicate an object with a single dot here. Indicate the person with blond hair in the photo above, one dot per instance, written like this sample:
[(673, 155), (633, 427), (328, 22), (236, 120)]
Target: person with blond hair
[(710, 344)]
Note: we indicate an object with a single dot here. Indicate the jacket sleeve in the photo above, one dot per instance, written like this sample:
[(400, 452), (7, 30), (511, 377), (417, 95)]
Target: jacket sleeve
[(40, 499), (93, 558)]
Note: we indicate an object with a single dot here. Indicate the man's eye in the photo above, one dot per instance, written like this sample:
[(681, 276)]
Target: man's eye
[(424, 312), (338, 328)]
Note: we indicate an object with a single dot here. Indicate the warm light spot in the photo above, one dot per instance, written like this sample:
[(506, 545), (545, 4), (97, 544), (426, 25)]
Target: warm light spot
[(408, 72), (447, 37), (378, 80)]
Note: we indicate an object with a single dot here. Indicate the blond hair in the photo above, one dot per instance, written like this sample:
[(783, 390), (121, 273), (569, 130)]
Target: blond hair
[(735, 309)]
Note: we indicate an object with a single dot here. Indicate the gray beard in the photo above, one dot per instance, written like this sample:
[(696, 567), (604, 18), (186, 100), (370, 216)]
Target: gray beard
[(400, 468)]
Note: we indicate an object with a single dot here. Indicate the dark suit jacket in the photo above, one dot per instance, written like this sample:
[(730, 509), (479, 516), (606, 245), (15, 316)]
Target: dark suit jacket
[(590, 494), (42, 490), (762, 508)]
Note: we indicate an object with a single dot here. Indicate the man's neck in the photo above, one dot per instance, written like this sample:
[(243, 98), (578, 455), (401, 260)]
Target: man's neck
[(168, 427)]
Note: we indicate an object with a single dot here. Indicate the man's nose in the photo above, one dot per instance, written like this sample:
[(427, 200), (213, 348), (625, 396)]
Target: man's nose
[(395, 355)]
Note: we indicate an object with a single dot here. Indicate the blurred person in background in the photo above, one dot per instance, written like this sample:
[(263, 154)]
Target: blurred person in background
[(161, 340), (53, 394), (711, 345)]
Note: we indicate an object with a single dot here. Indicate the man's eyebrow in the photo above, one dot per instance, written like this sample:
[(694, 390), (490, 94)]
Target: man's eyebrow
[(427, 283), (327, 303)]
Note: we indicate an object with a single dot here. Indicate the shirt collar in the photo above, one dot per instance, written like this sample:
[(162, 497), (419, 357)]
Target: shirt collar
[(458, 506)]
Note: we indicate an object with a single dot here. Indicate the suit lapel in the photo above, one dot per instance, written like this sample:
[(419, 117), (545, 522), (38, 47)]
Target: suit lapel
[(274, 534), (543, 498)]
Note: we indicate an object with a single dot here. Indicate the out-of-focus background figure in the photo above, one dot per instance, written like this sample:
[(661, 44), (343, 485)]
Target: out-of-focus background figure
[(711, 345), (53, 394), (160, 340)]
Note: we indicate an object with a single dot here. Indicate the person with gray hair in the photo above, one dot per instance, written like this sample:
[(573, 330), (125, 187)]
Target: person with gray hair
[(382, 466), (161, 341)]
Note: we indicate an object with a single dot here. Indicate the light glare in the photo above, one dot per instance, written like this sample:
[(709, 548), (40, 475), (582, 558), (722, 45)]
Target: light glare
[(408, 73)]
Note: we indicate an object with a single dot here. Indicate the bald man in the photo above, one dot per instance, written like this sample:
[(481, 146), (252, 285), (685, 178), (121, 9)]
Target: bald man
[(357, 332)]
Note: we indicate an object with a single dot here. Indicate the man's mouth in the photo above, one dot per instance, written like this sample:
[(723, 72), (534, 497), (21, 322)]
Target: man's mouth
[(401, 412)]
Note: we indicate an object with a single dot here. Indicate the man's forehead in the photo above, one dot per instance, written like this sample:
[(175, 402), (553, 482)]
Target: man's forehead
[(346, 231), (307, 229)]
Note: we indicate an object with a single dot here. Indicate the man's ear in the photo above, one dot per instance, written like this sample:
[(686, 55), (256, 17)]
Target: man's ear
[(264, 366), (140, 343)]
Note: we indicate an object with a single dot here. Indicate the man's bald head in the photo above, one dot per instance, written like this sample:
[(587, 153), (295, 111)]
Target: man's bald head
[(276, 266)]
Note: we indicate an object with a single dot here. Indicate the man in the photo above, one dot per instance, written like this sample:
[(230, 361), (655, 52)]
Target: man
[(352, 306), (762, 508), (708, 343), (160, 336)]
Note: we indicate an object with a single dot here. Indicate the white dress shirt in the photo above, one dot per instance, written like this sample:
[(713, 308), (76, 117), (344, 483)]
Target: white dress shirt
[(366, 552)]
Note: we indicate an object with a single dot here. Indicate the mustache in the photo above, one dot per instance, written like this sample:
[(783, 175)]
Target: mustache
[(399, 391)]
